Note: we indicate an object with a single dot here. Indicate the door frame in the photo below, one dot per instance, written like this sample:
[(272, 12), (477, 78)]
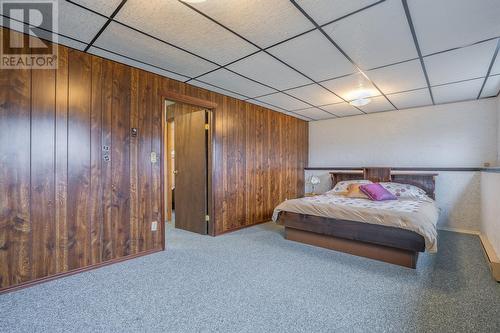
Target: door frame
[(210, 106)]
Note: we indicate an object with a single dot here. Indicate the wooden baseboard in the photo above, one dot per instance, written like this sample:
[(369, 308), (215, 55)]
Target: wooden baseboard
[(242, 227), (460, 231), (31, 283), (368, 250), (491, 257)]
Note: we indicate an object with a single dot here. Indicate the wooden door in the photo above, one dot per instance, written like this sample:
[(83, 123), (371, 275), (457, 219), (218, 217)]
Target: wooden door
[(169, 178), (191, 171)]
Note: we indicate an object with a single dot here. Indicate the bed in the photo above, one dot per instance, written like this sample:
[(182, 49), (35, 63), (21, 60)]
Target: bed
[(391, 231)]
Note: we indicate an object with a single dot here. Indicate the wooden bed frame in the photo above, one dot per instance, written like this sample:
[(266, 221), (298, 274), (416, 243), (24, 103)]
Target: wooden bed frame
[(388, 244)]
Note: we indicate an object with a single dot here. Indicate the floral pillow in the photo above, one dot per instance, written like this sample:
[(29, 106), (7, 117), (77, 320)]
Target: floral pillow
[(405, 191), (341, 187)]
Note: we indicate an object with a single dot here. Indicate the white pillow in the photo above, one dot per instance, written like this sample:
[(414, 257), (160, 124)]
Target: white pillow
[(341, 186), (405, 191)]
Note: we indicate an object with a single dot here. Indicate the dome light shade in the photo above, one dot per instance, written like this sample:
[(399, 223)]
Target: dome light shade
[(360, 102)]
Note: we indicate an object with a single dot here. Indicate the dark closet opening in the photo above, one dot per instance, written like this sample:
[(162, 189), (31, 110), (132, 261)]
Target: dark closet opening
[(187, 153)]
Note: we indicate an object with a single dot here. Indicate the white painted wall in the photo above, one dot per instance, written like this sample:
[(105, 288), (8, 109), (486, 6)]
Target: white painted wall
[(498, 131), (490, 199), (490, 208), (452, 135)]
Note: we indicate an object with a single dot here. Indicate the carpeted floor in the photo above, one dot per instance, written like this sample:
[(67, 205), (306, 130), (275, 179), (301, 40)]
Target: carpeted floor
[(255, 281)]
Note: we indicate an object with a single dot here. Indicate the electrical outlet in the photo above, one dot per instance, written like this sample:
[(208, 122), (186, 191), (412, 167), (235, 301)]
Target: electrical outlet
[(154, 226), (154, 157)]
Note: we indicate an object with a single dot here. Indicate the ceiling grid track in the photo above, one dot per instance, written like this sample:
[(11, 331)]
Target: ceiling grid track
[(291, 38), (110, 19), (417, 46), (492, 62), (269, 54), (320, 28), (103, 49)]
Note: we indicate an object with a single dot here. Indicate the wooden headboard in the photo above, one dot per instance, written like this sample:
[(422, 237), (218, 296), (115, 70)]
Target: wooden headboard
[(425, 181)]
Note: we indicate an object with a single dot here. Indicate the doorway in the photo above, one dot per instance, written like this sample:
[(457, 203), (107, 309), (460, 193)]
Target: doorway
[(187, 142)]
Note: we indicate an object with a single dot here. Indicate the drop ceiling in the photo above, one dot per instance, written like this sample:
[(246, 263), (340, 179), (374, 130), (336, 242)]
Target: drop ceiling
[(304, 58)]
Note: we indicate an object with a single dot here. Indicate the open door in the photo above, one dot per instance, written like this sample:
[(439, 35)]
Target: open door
[(191, 171)]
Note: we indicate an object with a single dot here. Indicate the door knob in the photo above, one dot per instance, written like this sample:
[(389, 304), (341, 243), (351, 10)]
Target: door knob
[(176, 172)]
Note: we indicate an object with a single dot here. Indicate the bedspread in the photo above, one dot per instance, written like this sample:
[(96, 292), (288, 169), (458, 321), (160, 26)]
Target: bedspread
[(419, 216)]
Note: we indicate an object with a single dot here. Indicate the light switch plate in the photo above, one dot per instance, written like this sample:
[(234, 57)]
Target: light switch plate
[(154, 225), (154, 157)]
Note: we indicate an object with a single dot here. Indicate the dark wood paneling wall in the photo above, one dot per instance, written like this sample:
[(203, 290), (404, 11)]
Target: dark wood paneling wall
[(63, 207)]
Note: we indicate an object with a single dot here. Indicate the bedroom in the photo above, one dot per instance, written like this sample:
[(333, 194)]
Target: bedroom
[(108, 223)]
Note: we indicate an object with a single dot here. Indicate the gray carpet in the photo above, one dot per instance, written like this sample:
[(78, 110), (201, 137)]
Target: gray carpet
[(255, 281)]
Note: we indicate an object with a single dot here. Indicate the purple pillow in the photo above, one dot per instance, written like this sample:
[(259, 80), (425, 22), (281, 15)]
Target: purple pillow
[(377, 192)]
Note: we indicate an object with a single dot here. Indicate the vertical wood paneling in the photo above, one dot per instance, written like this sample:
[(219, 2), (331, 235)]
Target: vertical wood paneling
[(15, 222), (120, 159), (144, 164), (42, 172), (134, 171), (79, 107), (61, 161), (251, 165), (106, 179), (156, 138), (63, 206), (96, 210)]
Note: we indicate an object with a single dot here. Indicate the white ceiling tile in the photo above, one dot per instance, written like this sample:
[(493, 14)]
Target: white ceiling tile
[(264, 68), (314, 94), (496, 66), (445, 24), (342, 109), (377, 36), (315, 113), (104, 7), (401, 77), (492, 86), (348, 87), (78, 23), (323, 11), (314, 55), (228, 80), (411, 99), (266, 105), (126, 61), (283, 101), (49, 36), (124, 41), (75, 22), (377, 104), (461, 64), (271, 21), (174, 22), (216, 89), (456, 92)]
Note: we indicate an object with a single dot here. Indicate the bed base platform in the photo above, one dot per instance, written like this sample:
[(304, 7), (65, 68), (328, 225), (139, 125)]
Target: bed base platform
[(392, 245)]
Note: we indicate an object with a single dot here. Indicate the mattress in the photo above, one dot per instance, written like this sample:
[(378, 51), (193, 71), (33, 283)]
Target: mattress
[(419, 216)]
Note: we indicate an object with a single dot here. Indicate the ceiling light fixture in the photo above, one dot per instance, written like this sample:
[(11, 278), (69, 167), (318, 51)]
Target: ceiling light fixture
[(360, 102), (360, 97)]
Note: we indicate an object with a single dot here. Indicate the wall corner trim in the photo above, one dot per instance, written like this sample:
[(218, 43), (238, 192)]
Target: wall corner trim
[(491, 257)]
